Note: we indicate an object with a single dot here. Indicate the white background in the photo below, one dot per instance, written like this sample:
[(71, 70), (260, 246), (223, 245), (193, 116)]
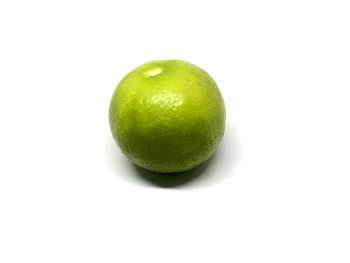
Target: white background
[(278, 187)]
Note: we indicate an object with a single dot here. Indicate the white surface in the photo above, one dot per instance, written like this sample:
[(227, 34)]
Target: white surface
[(276, 191)]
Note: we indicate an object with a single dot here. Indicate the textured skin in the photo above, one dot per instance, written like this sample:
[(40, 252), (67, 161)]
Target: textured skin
[(167, 116)]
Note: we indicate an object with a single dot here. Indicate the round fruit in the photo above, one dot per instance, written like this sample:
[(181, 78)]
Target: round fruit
[(167, 116)]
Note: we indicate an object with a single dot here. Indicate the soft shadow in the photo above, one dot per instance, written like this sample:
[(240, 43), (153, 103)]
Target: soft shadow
[(170, 180)]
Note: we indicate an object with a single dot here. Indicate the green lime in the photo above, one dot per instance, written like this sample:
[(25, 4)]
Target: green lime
[(167, 116)]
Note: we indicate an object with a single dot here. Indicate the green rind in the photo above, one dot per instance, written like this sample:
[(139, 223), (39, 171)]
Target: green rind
[(168, 121)]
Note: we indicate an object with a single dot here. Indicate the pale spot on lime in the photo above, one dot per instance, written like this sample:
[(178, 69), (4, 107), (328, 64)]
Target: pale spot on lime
[(154, 72)]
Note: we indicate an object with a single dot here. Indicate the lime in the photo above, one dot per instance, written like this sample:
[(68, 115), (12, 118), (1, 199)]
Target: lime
[(167, 116)]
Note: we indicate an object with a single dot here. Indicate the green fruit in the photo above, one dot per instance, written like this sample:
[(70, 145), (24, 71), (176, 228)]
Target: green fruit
[(167, 116)]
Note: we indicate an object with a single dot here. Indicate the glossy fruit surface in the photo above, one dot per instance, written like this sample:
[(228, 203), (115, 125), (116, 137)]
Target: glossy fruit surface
[(167, 116)]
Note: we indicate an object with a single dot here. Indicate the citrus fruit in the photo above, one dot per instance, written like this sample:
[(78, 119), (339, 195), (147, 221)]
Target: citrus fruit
[(167, 116)]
